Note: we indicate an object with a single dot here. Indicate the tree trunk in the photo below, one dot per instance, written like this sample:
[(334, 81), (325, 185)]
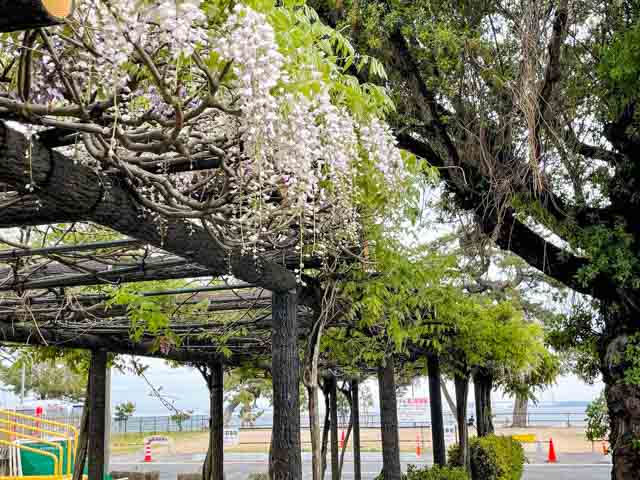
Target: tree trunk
[(333, 407), (462, 397), (389, 423), (310, 378), (285, 459), (355, 406), (213, 468), (326, 428), (314, 425), (520, 408), (347, 393), (623, 398), (483, 386), (437, 419), (83, 438), (98, 382)]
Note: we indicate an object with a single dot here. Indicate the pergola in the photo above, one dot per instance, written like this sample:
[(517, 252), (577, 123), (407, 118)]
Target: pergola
[(251, 299), (68, 193)]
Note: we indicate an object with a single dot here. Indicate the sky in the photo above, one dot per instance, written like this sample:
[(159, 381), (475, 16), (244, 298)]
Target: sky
[(186, 388)]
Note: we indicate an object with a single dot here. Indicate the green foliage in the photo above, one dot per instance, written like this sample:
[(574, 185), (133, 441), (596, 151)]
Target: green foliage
[(258, 476), (619, 69), (492, 458), (632, 359), (435, 473), (181, 417), (597, 419), (243, 387), (576, 336), (48, 379), (124, 411)]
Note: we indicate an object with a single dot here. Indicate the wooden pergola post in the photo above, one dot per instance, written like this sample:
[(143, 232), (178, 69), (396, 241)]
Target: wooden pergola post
[(29, 14), (389, 422), (214, 462), (285, 460), (437, 420), (97, 410), (355, 405)]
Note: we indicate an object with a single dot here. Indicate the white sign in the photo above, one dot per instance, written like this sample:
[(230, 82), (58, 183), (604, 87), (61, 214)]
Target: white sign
[(450, 436), (231, 436)]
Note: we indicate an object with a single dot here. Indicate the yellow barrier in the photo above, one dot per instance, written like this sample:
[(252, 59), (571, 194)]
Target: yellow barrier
[(69, 428), (41, 477), (525, 438), (39, 440), (56, 467), (48, 432)]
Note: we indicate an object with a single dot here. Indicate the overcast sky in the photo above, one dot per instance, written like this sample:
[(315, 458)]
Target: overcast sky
[(187, 389)]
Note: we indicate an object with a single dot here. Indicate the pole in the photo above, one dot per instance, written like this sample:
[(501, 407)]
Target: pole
[(97, 412), (437, 421), (107, 419)]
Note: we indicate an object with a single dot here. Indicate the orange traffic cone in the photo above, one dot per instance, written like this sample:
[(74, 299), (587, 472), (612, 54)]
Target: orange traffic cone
[(147, 453), (552, 453), (342, 440), (418, 449)]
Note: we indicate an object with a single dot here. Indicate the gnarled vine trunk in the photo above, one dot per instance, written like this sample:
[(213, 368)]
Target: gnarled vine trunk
[(482, 386), (623, 397)]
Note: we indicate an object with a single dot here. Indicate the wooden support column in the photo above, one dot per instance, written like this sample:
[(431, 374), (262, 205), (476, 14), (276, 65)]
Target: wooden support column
[(28, 14), (389, 422), (214, 461), (355, 405), (437, 420), (333, 408), (97, 409), (285, 459)]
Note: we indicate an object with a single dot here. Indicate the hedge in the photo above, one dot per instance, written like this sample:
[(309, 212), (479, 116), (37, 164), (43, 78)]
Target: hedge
[(434, 473), (492, 458)]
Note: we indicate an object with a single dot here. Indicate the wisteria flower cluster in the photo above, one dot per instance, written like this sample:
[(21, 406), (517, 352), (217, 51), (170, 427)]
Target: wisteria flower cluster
[(206, 120)]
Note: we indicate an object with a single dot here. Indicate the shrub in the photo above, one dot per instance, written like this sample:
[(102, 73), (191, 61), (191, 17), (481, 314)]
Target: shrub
[(258, 476), (492, 458), (436, 473), (433, 473)]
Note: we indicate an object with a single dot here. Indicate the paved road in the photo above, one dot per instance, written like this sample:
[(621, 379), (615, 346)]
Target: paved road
[(239, 466)]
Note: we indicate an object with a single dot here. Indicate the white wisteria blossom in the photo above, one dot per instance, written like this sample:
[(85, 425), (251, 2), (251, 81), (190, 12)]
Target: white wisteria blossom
[(209, 119)]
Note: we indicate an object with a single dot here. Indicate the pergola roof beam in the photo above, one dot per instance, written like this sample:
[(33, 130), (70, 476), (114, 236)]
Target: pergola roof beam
[(78, 191), (20, 252), (164, 269)]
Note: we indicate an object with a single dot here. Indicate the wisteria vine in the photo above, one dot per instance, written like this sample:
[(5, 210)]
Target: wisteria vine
[(209, 120)]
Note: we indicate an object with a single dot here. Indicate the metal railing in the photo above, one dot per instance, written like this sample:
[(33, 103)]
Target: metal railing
[(200, 423)]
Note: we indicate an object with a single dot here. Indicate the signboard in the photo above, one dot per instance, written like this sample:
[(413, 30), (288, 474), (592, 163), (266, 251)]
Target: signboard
[(450, 434), (413, 410), (231, 436)]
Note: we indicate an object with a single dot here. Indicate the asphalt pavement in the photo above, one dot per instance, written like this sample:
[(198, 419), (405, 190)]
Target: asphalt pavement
[(238, 466)]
